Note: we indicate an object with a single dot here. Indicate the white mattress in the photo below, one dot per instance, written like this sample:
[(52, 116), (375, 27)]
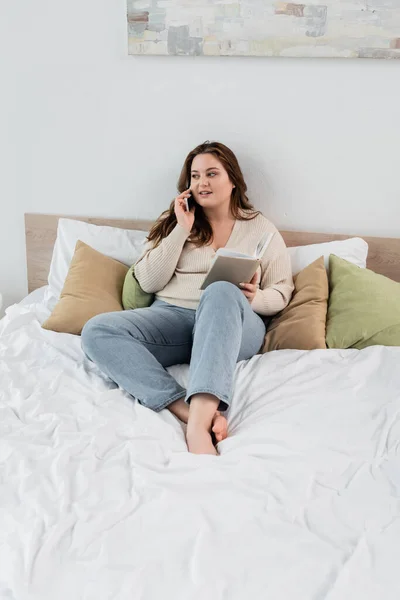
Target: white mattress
[(100, 500)]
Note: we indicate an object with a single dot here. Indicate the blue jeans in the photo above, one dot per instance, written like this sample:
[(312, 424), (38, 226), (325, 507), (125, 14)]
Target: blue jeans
[(133, 347)]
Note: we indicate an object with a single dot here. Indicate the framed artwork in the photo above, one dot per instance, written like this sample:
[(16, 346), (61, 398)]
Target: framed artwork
[(324, 28)]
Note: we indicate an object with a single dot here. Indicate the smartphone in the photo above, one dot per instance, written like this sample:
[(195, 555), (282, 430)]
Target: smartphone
[(190, 202)]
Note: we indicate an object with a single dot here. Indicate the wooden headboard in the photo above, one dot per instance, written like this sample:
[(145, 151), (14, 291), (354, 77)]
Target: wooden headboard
[(41, 231)]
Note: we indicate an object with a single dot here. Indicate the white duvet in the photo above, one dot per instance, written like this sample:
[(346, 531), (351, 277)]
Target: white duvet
[(100, 500)]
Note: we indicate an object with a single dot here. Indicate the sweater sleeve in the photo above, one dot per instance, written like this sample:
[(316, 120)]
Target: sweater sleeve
[(155, 267), (276, 284)]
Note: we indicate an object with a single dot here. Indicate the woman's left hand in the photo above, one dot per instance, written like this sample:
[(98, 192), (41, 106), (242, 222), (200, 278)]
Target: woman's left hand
[(250, 289)]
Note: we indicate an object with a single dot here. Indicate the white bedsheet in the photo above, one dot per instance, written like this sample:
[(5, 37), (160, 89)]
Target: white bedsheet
[(100, 500)]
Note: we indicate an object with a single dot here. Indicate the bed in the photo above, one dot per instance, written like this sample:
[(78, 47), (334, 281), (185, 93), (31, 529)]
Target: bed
[(100, 499)]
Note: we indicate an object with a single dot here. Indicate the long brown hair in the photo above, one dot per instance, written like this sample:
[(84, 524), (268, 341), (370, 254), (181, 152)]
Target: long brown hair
[(240, 206)]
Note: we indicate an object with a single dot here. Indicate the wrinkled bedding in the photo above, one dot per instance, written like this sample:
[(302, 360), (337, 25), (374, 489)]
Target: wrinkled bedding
[(100, 500)]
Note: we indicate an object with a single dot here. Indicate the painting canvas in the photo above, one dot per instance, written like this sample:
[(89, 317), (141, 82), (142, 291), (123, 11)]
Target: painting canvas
[(324, 28)]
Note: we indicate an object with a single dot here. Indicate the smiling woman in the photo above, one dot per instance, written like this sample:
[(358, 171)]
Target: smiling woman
[(213, 167), (210, 329), (210, 182)]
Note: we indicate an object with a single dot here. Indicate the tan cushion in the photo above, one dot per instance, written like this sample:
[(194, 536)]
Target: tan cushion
[(93, 286), (301, 325)]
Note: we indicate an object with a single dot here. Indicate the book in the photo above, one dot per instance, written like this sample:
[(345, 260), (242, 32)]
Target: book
[(236, 267)]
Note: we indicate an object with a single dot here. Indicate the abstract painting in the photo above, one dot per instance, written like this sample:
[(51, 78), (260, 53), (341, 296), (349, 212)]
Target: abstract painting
[(323, 28)]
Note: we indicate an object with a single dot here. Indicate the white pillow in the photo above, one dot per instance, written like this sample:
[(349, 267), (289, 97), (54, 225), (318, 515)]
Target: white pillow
[(124, 245), (354, 250)]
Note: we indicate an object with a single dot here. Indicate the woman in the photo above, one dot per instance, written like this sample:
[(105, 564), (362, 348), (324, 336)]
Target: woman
[(211, 330)]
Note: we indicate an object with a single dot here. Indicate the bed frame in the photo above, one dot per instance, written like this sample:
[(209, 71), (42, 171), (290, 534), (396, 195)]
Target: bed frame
[(41, 231)]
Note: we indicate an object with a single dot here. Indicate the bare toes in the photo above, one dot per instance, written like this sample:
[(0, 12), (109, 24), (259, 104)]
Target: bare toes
[(220, 427)]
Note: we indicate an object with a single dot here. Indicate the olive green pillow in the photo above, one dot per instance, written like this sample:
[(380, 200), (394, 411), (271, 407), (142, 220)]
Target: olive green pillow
[(132, 294), (364, 307)]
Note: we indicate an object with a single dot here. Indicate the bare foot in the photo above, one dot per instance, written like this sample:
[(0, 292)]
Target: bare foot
[(199, 441), (219, 427)]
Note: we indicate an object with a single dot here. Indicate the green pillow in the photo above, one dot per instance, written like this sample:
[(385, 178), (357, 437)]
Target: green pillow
[(364, 307), (132, 294)]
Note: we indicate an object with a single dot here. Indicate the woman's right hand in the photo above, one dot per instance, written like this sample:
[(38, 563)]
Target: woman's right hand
[(185, 218)]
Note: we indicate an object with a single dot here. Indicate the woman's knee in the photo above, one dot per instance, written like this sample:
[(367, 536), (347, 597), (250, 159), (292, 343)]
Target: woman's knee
[(223, 291), (94, 329)]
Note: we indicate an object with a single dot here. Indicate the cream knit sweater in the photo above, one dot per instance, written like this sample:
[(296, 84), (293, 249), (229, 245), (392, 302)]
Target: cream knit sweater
[(175, 270)]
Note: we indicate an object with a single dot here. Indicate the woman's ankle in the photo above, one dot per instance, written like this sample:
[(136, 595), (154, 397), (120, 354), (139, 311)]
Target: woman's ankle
[(180, 409), (202, 410)]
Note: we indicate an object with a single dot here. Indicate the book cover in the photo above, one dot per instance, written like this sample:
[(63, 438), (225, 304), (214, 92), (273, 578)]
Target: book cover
[(236, 267)]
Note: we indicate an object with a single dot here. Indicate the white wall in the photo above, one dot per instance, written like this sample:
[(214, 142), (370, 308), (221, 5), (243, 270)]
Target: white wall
[(87, 130)]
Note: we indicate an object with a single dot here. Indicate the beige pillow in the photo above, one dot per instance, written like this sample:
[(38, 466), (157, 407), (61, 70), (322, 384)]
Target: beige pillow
[(301, 325), (93, 286)]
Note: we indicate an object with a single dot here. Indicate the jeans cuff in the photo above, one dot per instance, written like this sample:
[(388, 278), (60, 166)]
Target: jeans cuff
[(223, 399), (166, 403)]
